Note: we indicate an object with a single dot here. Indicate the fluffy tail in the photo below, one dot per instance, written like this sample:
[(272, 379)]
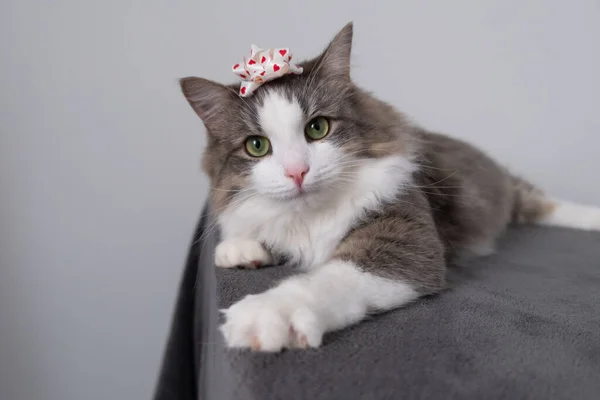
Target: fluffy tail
[(531, 205)]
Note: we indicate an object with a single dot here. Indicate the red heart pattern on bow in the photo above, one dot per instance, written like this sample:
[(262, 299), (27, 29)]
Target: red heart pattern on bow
[(263, 66)]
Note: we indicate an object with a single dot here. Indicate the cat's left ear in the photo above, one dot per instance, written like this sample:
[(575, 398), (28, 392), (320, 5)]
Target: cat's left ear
[(209, 99), (335, 60)]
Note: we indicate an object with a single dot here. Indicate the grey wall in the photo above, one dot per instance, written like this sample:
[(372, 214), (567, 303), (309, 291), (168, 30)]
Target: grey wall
[(99, 155)]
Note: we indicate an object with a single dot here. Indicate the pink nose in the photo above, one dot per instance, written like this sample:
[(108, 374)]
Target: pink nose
[(297, 173)]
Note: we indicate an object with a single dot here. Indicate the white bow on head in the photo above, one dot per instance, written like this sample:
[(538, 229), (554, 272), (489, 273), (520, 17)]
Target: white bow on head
[(263, 66)]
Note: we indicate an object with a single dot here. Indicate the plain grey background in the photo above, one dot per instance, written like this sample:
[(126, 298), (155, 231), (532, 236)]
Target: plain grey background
[(100, 185)]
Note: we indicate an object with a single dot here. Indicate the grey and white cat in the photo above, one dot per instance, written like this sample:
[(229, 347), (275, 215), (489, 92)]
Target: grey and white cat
[(314, 170)]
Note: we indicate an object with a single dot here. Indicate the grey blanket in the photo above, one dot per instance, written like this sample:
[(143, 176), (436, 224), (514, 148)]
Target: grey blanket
[(522, 323)]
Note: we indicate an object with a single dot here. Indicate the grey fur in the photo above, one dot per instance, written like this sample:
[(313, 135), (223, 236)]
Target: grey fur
[(460, 199)]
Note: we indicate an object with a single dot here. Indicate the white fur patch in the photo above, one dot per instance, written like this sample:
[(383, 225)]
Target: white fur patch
[(301, 309), (282, 121), (245, 253), (280, 118), (308, 229), (572, 215)]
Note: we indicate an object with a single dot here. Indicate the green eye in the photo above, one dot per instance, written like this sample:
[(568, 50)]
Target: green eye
[(317, 128), (257, 146)]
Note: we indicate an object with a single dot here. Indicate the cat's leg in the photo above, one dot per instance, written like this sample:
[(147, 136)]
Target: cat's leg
[(245, 253), (301, 309), (379, 267)]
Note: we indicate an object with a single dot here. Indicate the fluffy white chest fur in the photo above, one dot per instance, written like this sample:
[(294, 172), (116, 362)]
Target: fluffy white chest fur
[(308, 229)]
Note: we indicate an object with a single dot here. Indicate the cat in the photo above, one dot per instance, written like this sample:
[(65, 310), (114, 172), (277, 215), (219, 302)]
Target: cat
[(315, 171)]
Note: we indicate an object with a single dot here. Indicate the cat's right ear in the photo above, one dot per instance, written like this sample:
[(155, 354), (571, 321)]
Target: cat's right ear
[(335, 60), (209, 99)]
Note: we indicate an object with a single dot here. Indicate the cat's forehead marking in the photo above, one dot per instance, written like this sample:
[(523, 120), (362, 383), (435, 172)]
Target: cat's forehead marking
[(280, 116)]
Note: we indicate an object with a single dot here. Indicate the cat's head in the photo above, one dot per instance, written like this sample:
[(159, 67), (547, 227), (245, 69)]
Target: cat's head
[(297, 137)]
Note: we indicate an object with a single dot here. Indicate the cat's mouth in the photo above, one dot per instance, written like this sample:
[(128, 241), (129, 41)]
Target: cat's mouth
[(311, 189), (294, 193)]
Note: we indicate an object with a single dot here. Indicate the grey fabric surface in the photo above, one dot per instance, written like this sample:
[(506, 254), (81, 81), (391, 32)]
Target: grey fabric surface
[(522, 323)]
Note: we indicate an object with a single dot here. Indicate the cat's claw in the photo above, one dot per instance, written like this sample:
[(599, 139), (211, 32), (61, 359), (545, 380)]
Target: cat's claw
[(270, 322), (241, 253)]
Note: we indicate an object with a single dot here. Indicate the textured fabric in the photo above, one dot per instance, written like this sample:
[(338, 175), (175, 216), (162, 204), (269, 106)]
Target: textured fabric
[(177, 378), (522, 323)]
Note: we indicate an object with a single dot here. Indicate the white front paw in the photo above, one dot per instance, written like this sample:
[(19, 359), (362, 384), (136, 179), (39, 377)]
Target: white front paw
[(271, 321), (241, 253)]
